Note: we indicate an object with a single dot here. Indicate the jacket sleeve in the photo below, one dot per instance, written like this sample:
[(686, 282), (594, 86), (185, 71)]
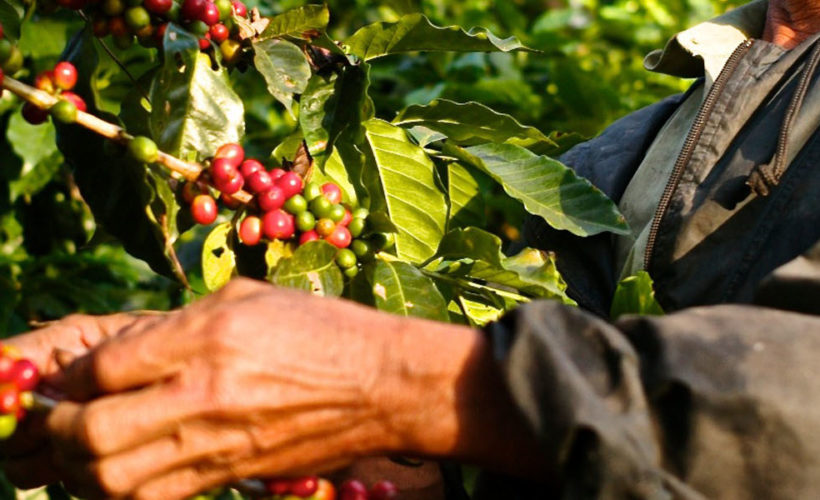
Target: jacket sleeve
[(713, 402)]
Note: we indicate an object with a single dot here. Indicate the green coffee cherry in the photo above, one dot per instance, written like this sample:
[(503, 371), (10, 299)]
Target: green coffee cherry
[(321, 207), (305, 221), (351, 272), (8, 424), (361, 213), (143, 149), (64, 111), (356, 227), (384, 241), (14, 62), (346, 258), (5, 50), (137, 18), (312, 191), (225, 8), (361, 248), (296, 204), (337, 213)]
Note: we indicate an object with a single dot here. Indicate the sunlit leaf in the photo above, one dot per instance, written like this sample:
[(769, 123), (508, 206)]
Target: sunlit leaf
[(400, 288), (218, 258), (635, 295), (311, 268), (284, 67)]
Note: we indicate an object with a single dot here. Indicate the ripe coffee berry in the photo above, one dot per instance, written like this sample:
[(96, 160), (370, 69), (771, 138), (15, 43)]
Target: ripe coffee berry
[(250, 230), (229, 201), (205, 42), (249, 167), (9, 399), (65, 75), (308, 236), (340, 237), (278, 486), (383, 490), (325, 227), (277, 173), (45, 82), (223, 169), (232, 185), (219, 33), (33, 114), (191, 190), (25, 374), (272, 199), (278, 225), (259, 181), (143, 149), (158, 7), (209, 14), (191, 9), (239, 9), (231, 153), (204, 209), (74, 99), (347, 219), (305, 486), (353, 489), (332, 192)]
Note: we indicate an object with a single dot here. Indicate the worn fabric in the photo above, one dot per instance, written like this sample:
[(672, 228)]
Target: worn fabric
[(716, 399)]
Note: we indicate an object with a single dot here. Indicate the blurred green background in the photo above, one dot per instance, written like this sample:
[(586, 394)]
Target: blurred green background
[(54, 260)]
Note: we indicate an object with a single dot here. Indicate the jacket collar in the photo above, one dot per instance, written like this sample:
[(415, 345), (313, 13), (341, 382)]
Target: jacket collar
[(704, 49)]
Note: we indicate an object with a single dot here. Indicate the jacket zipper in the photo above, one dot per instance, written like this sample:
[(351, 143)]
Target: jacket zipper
[(691, 142)]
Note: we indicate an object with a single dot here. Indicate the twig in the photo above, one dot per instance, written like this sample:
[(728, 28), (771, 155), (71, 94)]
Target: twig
[(188, 170)]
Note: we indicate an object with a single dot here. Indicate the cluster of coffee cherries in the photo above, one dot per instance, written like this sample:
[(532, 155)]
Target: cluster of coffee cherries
[(18, 378), (146, 21), (58, 81), (284, 207), (315, 488), (11, 59)]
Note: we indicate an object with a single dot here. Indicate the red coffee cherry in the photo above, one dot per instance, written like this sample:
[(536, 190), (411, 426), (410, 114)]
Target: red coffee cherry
[(353, 489), (159, 34), (9, 399), (219, 33), (229, 201), (250, 230), (45, 82), (76, 100), (191, 9), (383, 490), (1, 31), (191, 190), (277, 173), (204, 210), (340, 237), (347, 219), (158, 7), (249, 167), (6, 369), (223, 169), (33, 114), (290, 183), (205, 42), (272, 199), (240, 9), (332, 192), (311, 235), (117, 27), (65, 75), (209, 14), (25, 374), (278, 225), (232, 152), (231, 185), (259, 181), (305, 486), (278, 486)]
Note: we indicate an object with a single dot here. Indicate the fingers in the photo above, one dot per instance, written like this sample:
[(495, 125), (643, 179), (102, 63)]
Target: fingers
[(122, 421)]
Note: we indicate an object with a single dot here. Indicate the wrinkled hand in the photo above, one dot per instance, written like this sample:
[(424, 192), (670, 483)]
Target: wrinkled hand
[(27, 454), (250, 382)]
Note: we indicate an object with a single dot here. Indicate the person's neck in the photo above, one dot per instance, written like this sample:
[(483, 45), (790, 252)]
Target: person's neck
[(790, 22)]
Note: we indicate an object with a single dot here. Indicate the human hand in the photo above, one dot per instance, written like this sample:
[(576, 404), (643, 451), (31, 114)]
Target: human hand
[(27, 455), (252, 381)]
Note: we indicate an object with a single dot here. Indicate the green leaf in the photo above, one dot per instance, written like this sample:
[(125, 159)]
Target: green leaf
[(479, 312), (284, 67), (301, 22), (546, 187), (635, 295), (467, 207), (477, 254), (194, 109), (400, 179), (218, 258), (472, 123), (414, 32), (10, 20), (311, 268), (35, 146), (400, 288), (329, 104), (275, 252)]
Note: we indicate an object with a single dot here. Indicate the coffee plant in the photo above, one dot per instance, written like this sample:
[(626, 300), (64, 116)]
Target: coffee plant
[(213, 139)]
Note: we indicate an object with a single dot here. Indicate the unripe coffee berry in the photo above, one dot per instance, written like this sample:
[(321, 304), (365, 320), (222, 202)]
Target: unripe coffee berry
[(45, 82), (332, 192), (296, 204), (346, 258), (250, 230), (8, 424), (361, 213), (272, 199), (76, 100), (325, 227), (352, 272), (356, 227), (225, 9), (337, 213), (361, 248), (259, 181), (278, 225), (204, 209), (291, 184), (231, 51), (312, 191), (250, 167), (64, 111), (137, 18), (308, 236), (143, 149), (340, 237), (305, 221), (321, 207)]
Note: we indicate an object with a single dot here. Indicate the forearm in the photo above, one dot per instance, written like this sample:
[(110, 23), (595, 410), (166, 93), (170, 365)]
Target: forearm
[(445, 397)]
